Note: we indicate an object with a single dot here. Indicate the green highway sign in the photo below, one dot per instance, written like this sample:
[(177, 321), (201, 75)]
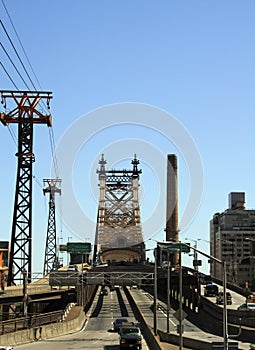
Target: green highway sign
[(176, 247), (78, 247)]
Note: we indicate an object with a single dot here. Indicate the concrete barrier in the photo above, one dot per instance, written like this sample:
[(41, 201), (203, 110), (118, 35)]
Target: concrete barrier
[(195, 344), (44, 332), (146, 330), (189, 343)]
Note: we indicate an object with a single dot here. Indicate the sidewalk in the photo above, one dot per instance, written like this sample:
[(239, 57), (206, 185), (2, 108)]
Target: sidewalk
[(191, 332)]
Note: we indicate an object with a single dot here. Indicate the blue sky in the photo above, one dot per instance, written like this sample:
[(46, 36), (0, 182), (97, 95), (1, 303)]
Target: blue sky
[(193, 59)]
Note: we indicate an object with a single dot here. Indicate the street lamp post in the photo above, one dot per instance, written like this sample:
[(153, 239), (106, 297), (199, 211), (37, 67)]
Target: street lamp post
[(168, 292), (223, 263), (225, 321), (180, 301), (155, 316), (166, 246), (155, 326)]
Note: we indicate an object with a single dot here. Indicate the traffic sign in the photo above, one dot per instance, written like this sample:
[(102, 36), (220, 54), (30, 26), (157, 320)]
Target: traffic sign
[(62, 248), (178, 316), (78, 247), (197, 262), (175, 247)]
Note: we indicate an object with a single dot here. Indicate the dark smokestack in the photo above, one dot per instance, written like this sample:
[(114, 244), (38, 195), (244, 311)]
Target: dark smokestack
[(172, 199)]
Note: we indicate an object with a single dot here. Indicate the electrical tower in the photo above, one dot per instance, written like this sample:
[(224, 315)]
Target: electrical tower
[(51, 258), (25, 113)]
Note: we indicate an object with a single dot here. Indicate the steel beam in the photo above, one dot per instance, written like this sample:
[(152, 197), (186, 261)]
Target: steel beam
[(25, 113)]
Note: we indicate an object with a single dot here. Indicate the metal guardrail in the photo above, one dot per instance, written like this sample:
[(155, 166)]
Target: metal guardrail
[(30, 321), (130, 278)]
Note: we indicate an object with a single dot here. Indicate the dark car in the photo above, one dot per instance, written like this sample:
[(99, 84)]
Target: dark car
[(247, 307), (118, 323), (104, 291), (130, 337), (211, 290), (220, 298)]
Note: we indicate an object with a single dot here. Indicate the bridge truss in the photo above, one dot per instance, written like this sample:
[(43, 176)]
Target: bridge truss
[(106, 278), (119, 231)]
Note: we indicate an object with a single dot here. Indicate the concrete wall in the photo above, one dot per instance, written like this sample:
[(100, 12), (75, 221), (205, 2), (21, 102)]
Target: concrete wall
[(44, 332), (196, 344)]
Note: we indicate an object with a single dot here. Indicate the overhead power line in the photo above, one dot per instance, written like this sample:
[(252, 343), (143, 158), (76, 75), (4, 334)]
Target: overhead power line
[(23, 49), (15, 67), (8, 75), (21, 62), (51, 133)]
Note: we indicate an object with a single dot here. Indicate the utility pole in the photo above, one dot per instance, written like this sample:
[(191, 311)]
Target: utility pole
[(155, 313), (51, 258), (25, 113)]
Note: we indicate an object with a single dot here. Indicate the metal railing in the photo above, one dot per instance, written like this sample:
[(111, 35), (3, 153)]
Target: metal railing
[(30, 321)]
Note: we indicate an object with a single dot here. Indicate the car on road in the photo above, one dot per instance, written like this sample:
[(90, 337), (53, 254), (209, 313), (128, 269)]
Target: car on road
[(6, 347), (220, 298), (118, 323), (104, 291), (211, 290), (130, 337), (246, 307), (72, 268)]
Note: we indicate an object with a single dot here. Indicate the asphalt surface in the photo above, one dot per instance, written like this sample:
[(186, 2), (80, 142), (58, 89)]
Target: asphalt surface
[(98, 332)]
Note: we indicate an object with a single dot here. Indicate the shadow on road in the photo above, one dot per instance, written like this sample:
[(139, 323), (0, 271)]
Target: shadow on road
[(123, 309), (98, 307)]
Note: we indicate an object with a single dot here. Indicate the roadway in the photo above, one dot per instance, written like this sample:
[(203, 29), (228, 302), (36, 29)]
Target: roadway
[(237, 299), (143, 299), (97, 333)]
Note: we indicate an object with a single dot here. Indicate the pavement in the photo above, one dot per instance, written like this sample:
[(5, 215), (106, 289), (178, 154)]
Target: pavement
[(144, 302)]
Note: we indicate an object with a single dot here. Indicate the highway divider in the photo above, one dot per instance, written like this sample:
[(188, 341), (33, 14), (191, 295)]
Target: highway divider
[(147, 332)]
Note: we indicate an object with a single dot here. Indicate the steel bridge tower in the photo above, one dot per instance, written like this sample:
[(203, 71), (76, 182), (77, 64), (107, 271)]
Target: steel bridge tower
[(119, 231), (25, 113), (51, 258)]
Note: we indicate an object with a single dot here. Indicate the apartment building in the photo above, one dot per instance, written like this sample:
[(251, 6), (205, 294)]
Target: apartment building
[(232, 239)]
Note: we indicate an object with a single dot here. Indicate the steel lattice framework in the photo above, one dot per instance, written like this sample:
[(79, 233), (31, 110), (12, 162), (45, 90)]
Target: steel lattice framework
[(118, 223), (51, 258), (25, 114)]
